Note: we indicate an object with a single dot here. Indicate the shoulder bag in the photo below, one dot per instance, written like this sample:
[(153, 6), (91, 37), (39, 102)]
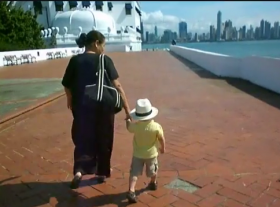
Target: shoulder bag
[(103, 91)]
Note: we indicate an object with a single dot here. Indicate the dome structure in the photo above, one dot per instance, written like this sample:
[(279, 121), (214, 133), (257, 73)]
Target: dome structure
[(85, 20)]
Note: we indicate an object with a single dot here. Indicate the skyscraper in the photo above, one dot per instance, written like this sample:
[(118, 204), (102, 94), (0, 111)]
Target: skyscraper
[(244, 32), (147, 36), (156, 32), (183, 30), (276, 30), (212, 35), (167, 35), (267, 29), (262, 29), (142, 30), (219, 25)]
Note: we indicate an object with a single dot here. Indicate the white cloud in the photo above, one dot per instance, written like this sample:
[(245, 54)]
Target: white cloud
[(157, 18)]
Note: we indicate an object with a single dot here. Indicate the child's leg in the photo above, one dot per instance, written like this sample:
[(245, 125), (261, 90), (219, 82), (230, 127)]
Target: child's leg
[(132, 183), (135, 170), (151, 171), (154, 178)]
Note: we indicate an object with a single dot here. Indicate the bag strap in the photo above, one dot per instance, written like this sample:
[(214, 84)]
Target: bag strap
[(101, 77), (103, 67)]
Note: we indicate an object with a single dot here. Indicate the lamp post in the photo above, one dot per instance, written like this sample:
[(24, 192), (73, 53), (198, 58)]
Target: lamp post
[(109, 31), (122, 30)]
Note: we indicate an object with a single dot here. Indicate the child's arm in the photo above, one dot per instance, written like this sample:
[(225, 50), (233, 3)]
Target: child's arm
[(161, 140)]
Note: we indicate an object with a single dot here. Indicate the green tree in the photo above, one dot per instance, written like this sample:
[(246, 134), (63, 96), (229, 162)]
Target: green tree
[(19, 29)]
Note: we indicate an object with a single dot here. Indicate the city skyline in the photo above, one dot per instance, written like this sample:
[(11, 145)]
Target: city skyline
[(200, 15), (224, 31)]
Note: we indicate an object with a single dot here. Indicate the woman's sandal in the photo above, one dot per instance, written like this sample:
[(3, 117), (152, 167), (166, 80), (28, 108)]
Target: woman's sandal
[(75, 182), (101, 179)]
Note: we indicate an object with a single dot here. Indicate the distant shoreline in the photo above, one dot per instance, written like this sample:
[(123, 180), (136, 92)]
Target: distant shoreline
[(159, 43)]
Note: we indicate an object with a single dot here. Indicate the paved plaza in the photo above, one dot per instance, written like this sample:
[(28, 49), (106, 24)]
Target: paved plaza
[(223, 139)]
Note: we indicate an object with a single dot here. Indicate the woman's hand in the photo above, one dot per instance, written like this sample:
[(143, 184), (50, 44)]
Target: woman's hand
[(69, 98), (69, 102), (127, 116)]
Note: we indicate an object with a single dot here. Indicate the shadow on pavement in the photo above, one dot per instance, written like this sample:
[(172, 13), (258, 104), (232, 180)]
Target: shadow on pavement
[(256, 91), (34, 194)]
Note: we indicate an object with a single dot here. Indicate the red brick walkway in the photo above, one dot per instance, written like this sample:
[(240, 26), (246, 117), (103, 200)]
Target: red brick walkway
[(218, 137)]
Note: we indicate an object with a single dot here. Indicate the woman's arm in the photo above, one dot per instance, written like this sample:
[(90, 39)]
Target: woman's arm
[(67, 81), (118, 86), (114, 76)]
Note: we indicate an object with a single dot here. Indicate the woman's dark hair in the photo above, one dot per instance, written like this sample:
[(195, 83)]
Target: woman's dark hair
[(89, 38)]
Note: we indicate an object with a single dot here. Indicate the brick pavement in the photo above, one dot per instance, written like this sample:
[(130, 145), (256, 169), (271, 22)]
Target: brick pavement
[(218, 138)]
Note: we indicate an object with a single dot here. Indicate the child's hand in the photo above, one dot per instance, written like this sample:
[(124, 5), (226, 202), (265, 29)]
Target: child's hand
[(162, 150), (127, 118)]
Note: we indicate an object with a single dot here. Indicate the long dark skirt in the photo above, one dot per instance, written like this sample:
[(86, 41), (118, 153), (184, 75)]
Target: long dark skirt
[(93, 134)]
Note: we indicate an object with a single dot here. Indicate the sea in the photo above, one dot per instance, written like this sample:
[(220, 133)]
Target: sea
[(263, 48)]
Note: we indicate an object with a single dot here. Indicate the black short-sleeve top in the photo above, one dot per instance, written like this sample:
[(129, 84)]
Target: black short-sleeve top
[(82, 70)]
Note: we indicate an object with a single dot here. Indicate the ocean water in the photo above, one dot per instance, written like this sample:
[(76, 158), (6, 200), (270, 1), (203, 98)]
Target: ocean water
[(270, 48)]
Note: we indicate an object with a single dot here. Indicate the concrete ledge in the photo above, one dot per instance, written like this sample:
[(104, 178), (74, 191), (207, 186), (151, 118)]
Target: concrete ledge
[(25, 110), (262, 71)]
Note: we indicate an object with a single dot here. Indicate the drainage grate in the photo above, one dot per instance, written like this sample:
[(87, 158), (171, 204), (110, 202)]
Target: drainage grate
[(182, 185)]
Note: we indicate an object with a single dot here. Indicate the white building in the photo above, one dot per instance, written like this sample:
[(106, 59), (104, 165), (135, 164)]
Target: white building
[(119, 21)]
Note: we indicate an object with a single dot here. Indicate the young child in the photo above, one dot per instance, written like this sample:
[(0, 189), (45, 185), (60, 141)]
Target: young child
[(147, 134)]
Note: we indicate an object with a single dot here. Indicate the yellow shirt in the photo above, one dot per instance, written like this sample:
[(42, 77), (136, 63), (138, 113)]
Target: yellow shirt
[(145, 138)]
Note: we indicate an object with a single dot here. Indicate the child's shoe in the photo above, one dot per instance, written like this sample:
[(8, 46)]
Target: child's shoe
[(131, 197), (152, 186)]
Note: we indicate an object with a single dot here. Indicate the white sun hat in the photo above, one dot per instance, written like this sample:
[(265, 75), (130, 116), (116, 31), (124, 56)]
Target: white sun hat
[(143, 110)]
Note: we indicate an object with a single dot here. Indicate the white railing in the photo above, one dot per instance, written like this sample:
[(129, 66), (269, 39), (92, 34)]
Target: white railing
[(32, 56)]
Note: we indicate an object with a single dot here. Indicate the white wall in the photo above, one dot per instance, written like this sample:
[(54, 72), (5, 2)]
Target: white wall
[(118, 12), (262, 71)]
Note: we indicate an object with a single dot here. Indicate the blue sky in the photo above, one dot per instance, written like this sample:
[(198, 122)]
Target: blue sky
[(200, 15)]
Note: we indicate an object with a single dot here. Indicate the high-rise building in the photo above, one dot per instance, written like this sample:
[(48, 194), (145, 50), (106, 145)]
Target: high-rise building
[(156, 31), (234, 33), (276, 30), (152, 37), (195, 37), (267, 28), (142, 30), (167, 36), (262, 29), (175, 36), (227, 31), (244, 32), (183, 30), (257, 33), (219, 25), (212, 33), (240, 34), (271, 33), (207, 36), (251, 32), (147, 36)]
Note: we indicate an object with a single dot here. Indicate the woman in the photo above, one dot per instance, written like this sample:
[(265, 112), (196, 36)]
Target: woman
[(93, 125)]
